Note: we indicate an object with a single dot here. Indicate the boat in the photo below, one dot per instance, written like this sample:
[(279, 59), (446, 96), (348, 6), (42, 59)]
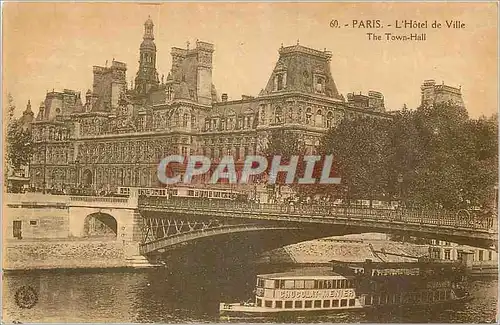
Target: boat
[(350, 287)]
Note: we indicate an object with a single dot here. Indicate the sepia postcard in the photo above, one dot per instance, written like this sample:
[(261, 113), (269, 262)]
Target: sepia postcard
[(253, 162)]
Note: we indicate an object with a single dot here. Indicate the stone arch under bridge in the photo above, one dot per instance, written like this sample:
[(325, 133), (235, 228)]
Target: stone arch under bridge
[(100, 225), (89, 222)]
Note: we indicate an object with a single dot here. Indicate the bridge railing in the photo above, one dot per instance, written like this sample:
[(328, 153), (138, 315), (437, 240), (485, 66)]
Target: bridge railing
[(470, 219)]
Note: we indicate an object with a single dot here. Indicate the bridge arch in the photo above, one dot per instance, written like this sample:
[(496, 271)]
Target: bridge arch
[(100, 225)]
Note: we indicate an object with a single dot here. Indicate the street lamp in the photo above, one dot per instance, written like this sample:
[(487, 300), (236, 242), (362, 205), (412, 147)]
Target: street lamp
[(77, 165), (44, 166), (346, 194), (400, 182)]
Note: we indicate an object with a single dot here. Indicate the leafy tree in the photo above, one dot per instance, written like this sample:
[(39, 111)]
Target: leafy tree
[(362, 148), (19, 142), (481, 167), (432, 156), (443, 158), (285, 144)]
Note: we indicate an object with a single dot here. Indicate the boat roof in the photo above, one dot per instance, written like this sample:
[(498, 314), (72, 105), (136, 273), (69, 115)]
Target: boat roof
[(398, 265), (305, 274)]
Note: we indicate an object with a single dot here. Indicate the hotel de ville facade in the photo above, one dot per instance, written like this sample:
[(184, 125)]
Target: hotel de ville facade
[(117, 133)]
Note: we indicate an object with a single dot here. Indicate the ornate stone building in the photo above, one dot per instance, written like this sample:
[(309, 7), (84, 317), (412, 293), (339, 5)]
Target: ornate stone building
[(117, 134), (434, 94)]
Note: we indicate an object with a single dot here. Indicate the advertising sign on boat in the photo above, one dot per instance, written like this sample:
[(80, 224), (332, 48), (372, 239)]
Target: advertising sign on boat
[(316, 294)]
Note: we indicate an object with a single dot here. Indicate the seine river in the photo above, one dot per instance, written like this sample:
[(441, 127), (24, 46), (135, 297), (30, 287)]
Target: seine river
[(191, 295)]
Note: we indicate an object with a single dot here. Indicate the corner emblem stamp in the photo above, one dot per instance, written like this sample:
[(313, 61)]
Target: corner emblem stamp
[(26, 297)]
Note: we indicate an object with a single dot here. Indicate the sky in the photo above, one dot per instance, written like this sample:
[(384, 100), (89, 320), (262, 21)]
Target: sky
[(54, 45)]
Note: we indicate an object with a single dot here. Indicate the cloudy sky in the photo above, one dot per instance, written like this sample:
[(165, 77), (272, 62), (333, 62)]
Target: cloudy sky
[(54, 45)]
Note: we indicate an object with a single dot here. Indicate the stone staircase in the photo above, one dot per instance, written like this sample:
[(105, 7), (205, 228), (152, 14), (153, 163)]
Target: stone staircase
[(140, 261), (136, 260)]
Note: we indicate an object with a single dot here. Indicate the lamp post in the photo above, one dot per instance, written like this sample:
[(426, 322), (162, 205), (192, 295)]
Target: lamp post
[(44, 166), (400, 182), (77, 176)]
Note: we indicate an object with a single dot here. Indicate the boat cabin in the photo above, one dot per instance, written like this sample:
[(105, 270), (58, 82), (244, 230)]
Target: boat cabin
[(292, 291)]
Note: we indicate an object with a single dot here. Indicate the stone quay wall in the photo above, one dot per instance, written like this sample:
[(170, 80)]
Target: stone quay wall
[(52, 232), (29, 255)]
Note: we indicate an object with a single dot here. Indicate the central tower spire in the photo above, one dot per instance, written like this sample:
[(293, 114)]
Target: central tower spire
[(147, 76)]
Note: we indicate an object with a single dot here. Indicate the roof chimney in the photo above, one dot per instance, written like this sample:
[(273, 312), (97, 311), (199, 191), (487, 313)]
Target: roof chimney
[(224, 97)]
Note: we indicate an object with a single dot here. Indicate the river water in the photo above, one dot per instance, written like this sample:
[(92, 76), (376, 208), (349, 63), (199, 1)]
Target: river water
[(189, 295)]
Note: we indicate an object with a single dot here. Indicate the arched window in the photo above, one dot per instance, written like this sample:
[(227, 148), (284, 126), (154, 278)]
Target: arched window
[(278, 118), (290, 115), (308, 115), (329, 120), (207, 124), (185, 120), (319, 118)]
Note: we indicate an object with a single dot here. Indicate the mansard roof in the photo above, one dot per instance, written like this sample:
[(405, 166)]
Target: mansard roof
[(301, 65)]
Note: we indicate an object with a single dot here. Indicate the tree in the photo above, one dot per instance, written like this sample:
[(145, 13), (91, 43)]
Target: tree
[(361, 147), (19, 142), (443, 157), (285, 144), (481, 168)]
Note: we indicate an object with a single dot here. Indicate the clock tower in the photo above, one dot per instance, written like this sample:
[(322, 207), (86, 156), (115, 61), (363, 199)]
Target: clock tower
[(147, 77)]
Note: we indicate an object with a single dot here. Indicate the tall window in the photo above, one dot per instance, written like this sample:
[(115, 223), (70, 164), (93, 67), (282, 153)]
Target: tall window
[(185, 120), (263, 115), (319, 118), (278, 115), (308, 115), (447, 254), (329, 119), (170, 93)]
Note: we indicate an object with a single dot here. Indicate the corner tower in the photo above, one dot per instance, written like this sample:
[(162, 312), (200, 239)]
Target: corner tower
[(147, 76)]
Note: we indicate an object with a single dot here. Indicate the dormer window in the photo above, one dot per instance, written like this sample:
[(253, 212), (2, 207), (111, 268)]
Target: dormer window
[(280, 81), (319, 85), (319, 81)]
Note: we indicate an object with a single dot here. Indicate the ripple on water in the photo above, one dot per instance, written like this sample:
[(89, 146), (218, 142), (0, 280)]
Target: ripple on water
[(173, 297)]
